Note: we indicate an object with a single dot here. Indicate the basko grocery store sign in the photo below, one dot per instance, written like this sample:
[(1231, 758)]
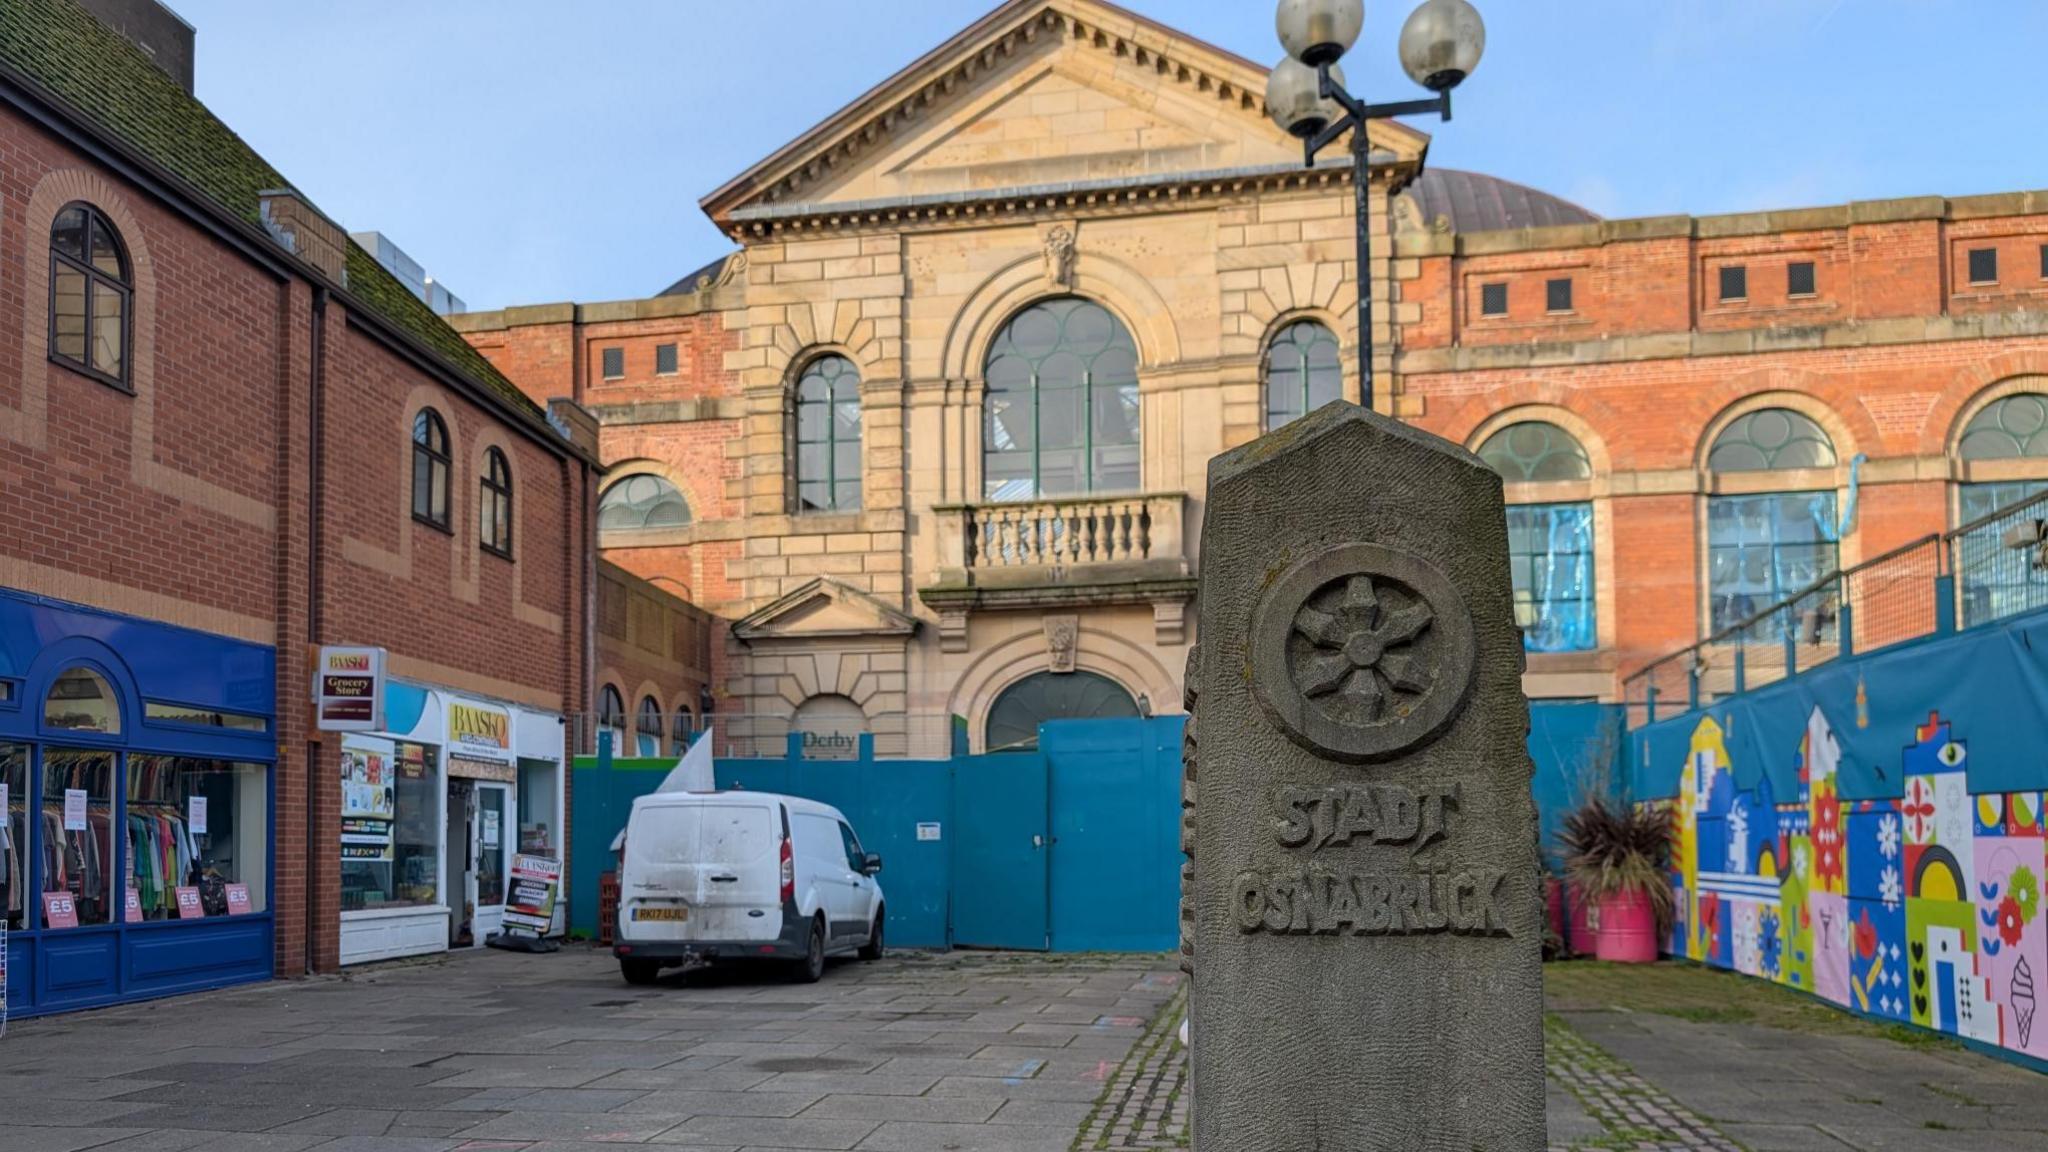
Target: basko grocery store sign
[(480, 741), (348, 689)]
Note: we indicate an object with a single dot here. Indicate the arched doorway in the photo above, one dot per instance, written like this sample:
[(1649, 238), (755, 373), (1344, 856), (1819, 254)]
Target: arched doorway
[(1013, 719)]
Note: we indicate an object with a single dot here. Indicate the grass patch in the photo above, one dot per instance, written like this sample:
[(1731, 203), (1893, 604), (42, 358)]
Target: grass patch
[(1705, 995)]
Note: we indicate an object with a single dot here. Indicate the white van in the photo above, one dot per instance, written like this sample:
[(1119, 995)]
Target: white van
[(733, 875)]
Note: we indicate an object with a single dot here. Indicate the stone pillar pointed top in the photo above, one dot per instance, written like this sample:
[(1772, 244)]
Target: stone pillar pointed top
[(1365, 897)]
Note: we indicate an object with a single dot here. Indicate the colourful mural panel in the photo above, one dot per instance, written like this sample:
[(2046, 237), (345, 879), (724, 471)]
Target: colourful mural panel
[(1925, 907)]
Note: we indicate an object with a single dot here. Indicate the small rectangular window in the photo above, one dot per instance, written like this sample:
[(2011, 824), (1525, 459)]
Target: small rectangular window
[(614, 363), (202, 717), (1493, 299), (1799, 278), (1734, 282), (6, 691), (1983, 265), (664, 359), (1557, 295), (2044, 261)]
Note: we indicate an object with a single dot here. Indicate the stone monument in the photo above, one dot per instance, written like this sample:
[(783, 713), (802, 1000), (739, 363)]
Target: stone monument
[(1364, 901)]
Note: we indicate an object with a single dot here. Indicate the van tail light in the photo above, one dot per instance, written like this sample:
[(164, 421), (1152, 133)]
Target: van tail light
[(788, 871)]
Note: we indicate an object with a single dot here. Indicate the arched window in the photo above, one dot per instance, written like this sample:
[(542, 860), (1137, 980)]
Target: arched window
[(81, 700), (1762, 548), (828, 436), (1014, 718), (2013, 432), (90, 294), (1303, 372), (2013, 428), (1061, 416), (684, 726), (495, 511), (642, 503), (1535, 452), (611, 715), (430, 469), (648, 726), (1771, 440), (1550, 546)]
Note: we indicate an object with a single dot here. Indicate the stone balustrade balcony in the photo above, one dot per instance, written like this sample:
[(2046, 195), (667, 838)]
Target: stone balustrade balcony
[(1066, 552)]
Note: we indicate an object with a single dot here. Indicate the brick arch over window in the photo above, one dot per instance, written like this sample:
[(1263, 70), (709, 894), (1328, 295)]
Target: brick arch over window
[(1997, 447), (1842, 440), (644, 465), (1574, 425), (1975, 385), (1992, 407), (396, 562), (28, 423), (1116, 286)]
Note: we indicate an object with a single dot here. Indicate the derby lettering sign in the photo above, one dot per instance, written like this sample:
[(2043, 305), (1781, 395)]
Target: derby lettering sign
[(1361, 914)]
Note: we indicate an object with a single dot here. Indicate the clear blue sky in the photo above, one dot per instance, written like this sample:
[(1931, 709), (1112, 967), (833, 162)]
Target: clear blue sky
[(530, 151)]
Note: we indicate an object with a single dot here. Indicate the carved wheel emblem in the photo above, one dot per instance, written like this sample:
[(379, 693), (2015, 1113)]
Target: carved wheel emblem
[(1361, 653)]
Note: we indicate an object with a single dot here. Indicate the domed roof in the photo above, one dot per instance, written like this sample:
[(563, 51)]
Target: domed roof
[(1448, 200)]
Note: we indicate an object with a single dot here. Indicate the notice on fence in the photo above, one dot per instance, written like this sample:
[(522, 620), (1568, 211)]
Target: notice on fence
[(531, 903)]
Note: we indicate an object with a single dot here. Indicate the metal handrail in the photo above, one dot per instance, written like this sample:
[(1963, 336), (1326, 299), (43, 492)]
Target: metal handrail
[(1837, 580), (1993, 517)]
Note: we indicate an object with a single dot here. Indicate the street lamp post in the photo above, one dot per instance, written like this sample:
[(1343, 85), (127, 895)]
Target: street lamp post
[(1440, 45)]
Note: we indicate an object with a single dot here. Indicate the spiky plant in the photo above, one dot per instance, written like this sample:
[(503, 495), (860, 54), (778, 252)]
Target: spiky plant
[(1616, 849)]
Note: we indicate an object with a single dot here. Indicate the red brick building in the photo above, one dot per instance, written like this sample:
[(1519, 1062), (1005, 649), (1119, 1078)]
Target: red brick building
[(1695, 417), (227, 438)]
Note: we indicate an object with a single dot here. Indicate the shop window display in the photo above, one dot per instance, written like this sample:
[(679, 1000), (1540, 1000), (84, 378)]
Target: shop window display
[(14, 848), (198, 824), (77, 832), (390, 810), (537, 822)]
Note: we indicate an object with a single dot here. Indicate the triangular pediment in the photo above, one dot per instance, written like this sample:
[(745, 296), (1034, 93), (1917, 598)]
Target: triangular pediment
[(823, 608), (1037, 93)]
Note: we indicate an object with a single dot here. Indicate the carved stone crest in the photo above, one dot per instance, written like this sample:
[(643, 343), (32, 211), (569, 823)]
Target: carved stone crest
[(1361, 653), (1059, 257), (1062, 637)]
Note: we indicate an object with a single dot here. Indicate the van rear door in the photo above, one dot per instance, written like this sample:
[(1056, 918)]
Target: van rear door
[(704, 871)]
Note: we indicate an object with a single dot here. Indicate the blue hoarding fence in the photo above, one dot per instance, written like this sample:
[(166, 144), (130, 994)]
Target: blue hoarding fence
[(1072, 847)]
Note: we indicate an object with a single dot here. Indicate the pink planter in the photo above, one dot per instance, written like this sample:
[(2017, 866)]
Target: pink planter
[(1581, 937), (1628, 929)]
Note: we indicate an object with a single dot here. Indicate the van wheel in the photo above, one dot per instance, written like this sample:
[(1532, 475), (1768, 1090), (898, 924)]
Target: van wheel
[(811, 968), (872, 950), (639, 971)]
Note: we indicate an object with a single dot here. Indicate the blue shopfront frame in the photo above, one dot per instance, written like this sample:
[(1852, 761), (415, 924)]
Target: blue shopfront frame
[(144, 662)]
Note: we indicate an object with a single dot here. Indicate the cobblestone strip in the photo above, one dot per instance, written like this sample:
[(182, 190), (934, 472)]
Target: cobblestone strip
[(1637, 1116), (1145, 1103)]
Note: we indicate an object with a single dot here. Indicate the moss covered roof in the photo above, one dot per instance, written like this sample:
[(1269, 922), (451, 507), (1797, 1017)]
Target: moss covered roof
[(110, 83)]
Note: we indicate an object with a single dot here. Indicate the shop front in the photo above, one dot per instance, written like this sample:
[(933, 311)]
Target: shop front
[(433, 810), (136, 807)]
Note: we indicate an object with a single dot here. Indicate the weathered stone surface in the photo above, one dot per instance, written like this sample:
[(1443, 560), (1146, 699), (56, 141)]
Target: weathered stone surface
[(1366, 916)]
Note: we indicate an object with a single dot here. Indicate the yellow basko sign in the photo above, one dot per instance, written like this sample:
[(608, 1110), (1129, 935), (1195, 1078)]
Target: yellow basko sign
[(473, 726)]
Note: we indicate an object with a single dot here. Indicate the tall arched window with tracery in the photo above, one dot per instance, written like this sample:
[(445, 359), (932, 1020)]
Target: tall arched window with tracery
[(1303, 372), (1550, 533), (1061, 413), (827, 457), (2003, 453), (1769, 542)]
